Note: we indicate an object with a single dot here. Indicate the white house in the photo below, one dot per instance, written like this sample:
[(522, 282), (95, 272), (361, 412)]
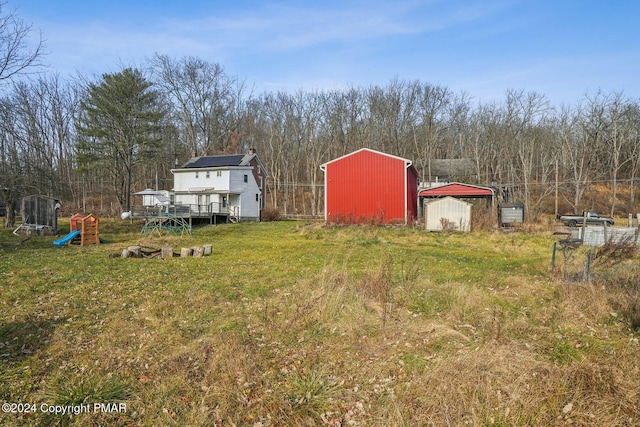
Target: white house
[(447, 213), (231, 187)]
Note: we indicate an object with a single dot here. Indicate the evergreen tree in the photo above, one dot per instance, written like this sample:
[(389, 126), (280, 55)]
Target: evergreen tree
[(120, 128)]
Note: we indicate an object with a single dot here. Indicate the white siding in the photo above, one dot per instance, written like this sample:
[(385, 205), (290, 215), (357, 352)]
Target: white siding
[(448, 210), (186, 199), (249, 208), (184, 180), (231, 180)]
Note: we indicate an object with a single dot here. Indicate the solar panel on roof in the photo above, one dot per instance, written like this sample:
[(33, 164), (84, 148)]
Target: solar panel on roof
[(215, 161)]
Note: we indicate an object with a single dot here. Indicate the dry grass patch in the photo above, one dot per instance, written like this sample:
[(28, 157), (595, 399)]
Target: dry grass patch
[(289, 324), (508, 385)]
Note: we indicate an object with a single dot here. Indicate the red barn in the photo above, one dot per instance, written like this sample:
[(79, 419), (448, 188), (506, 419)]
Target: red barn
[(370, 186)]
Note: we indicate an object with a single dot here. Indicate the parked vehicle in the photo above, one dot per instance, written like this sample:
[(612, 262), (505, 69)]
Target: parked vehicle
[(590, 217)]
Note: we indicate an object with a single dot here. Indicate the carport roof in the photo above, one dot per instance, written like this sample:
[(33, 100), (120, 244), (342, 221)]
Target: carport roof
[(456, 189)]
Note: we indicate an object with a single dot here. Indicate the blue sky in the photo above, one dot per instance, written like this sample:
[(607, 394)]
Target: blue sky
[(560, 48)]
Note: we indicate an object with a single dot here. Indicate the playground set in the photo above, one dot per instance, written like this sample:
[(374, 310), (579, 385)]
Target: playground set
[(84, 230), (165, 225)]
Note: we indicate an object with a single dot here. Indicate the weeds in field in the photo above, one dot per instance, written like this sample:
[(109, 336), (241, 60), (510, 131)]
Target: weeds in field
[(616, 283), (86, 388), (615, 252), (375, 288), (624, 294), (292, 324)]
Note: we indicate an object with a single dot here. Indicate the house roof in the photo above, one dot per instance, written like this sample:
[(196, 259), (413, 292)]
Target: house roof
[(448, 168), (148, 192), (203, 190), (456, 189), (215, 161), (223, 161)]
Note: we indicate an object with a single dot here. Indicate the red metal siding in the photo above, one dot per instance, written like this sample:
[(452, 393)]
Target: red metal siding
[(412, 194), (366, 186)]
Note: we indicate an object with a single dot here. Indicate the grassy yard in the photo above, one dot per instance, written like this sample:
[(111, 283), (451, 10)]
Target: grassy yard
[(292, 324)]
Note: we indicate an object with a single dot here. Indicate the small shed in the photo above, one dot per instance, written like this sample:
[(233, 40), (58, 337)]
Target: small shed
[(447, 214), (40, 214), (510, 214), (370, 186), (458, 190)]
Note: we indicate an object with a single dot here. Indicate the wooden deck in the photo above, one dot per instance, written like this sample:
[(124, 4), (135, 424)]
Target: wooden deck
[(188, 212)]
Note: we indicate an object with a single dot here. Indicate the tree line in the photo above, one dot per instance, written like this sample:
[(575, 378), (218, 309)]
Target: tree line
[(93, 141)]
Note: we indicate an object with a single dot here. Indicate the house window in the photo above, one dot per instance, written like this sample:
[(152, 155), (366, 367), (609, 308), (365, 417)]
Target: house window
[(257, 198), (197, 175), (219, 173), (207, 174), (246, 178)]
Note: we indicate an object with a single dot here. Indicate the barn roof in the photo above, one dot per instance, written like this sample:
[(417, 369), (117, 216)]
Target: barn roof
[(408, 163), (456, 189)]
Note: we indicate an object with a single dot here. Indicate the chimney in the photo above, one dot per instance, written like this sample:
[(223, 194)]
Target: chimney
[(252, 151)]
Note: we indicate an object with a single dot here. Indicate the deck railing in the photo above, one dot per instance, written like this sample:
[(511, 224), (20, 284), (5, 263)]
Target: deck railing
[(182, 211)]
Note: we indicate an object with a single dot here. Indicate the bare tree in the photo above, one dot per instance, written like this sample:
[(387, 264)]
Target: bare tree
[(619, 135), (595, 126), (16, 55), (577, 153), (392, 117), (433, 110), (632, 151), (344, 119), (11, 169), (526, 114), (47, 107), (205, 102), (484, 142)]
